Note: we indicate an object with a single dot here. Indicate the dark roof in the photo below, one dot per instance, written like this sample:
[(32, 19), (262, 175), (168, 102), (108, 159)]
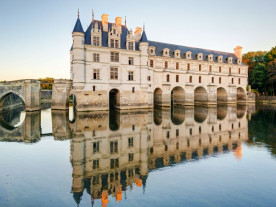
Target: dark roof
[(105, 34), (78, 26), (144, 37), (159, 46)]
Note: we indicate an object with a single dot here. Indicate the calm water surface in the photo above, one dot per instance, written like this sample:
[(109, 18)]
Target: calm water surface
[(223, 156)]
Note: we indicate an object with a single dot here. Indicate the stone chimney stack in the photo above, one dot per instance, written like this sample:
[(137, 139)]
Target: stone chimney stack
[(238, 52), (118, 23), (105, 22), (137, 33)]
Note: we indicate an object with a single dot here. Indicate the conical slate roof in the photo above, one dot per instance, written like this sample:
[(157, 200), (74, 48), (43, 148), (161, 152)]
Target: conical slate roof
[(78, 26), (144, 37)]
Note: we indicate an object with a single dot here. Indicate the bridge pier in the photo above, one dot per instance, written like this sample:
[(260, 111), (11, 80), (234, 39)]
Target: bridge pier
[(60, 94)]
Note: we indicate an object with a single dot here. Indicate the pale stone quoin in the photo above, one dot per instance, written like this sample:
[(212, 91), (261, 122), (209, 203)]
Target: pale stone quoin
[(113, 67)]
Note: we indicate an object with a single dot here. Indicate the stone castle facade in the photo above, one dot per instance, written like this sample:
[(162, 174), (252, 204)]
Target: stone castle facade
[(112, 66)]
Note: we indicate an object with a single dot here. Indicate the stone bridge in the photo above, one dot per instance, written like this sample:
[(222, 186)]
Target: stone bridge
[(27, 90)]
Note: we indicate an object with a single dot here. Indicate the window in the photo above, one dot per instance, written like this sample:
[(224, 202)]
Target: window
[(199, 129), (96, 57), (220, 69), (177, 66), (130, 157), (96, 164), (114, 73), (94, 88), (166, 64), (232, 80), (96, 41), (177, 132), (239, 81), (210, 68), (168, 78), (114, 147), (199, 79), (114, 163), (130, 61), (112, 43), (230, 69), (151, 63), (168, 134), (130, 75), (191, 131), (130, 45), (199, 67), (96, 74), (148, 78), (114, 56), (116, 43), (96, 147), (239, 71), (188, 66), (191, 79), (133, 89), (130, 142), (133, 127), (213, 80), (177, 78), (219, 79)]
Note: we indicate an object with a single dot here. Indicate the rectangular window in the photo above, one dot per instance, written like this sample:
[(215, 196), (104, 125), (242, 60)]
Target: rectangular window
[(130, 157), (96, 164), (188, 66), (232, 80), (166, 64), (177, 132), (116, 43), (220, 80), (210, 68), (151, 63), (177, 66), (239, 81), (96, 57), (213, 80), (114, 73), (114, 163), (114, 147), (94, 88), (239, 71), (177, 78), (96, 74), (148, 78), (112, 44), (131, 61), (199, 79), (220, 69), (130, 46), (133, 89), (130, 142), (96, 41), (191, 79), (130, 75), (199, 67), (96, 147), (230, 69), (114, 57)]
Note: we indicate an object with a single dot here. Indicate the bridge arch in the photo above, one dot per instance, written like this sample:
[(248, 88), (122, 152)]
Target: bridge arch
[(157, 97), (177, 96), (241, 95), (221, 95), (12, 95), (114, 99), (200, 114), (200, 95)]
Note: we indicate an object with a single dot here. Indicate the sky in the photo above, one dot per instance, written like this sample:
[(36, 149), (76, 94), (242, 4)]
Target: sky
[(36, 35)]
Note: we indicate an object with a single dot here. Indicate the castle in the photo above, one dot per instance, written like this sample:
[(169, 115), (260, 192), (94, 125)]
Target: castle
[(114, 67)]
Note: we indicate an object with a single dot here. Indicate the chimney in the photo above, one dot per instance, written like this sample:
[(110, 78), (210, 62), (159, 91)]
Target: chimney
[(105, 22), (118, 23), (238, 52), (137, 34)]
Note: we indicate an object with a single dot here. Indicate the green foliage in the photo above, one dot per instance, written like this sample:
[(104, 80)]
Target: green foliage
[(46, 83)]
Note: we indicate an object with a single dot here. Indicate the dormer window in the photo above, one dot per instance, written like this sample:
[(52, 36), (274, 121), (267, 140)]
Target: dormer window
[(230, 60), (210, 57), (166, 52), (199, 56), (177, 53), (220, 58), (188, 55), (239, 61), (152, 50), (131, 45)]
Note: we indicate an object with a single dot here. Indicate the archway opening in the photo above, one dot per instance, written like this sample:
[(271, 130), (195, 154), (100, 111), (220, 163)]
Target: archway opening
[(177, 96), (114, 99), (200, 96), (241, 96), (72, 108), (221, 96), (157, 97)]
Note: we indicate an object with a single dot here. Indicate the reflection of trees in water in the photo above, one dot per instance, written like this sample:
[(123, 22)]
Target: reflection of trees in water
[(262, 128)]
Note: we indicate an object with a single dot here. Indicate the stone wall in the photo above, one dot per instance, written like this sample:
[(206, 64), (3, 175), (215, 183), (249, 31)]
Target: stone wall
[(46, 96), (266, 99)]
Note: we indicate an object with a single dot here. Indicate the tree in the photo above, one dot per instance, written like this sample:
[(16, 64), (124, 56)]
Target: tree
[(259, 77)]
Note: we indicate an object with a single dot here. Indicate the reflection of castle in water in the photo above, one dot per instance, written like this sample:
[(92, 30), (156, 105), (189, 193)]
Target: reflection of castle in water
[(110, 152)]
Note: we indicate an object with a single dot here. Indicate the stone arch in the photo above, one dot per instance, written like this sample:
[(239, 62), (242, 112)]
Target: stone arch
[(11, 119), (177, 96), (200, 95), (241, 95), (157, 97), (200, 114), (12, 95), (114, 99), (241, 111), (221, 112), (221, 95), (178, 115)]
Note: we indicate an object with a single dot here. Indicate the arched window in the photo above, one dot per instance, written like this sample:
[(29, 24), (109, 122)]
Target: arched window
[(168, 78)]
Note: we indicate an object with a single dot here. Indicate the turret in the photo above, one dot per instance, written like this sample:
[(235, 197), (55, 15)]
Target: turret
[(77, 66), (144, 46)]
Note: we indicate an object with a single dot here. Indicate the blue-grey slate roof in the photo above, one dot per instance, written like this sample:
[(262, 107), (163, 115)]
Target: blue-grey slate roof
[(159, 46), (78, 26), (144, 37)]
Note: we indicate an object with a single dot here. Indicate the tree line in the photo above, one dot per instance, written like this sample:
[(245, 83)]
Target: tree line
[(262, 71)]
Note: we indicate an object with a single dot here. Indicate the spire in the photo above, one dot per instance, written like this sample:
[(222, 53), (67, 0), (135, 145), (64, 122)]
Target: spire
[(78, 26), (92, 15), (144, 36), (125, 21)]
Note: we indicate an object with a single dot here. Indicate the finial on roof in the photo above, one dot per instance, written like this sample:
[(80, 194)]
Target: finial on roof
[(92, 15), (143, 26), (125, 21), (78, 13)]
